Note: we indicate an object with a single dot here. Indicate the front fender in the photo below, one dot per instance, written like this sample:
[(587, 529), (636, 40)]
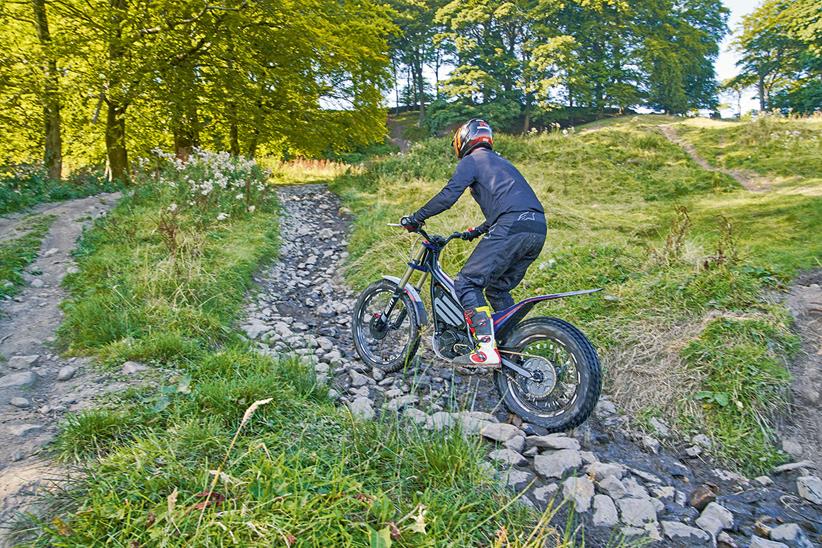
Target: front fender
[(411, 291)]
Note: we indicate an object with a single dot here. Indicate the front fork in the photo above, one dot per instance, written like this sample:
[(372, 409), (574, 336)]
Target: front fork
[(389, 308)]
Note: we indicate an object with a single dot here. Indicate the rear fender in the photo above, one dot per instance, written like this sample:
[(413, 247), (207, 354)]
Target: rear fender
[(413, 294), (506, 320)]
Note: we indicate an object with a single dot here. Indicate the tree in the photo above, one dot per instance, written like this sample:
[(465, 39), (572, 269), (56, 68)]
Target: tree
[(779, 46)]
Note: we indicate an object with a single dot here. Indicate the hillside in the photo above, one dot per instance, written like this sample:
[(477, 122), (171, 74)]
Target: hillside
[(687, 258)]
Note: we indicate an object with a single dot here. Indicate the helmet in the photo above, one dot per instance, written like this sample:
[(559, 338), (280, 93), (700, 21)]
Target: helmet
[(472, 134)]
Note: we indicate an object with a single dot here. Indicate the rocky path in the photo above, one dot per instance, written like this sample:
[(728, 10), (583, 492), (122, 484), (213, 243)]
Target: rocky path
[(36, 385), (622, 482), (803, 436)]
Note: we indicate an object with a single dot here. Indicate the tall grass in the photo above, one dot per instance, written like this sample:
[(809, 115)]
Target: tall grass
[(615, 200), (18, 253)]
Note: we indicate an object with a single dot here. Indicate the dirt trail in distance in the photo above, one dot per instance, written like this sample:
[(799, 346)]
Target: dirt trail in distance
[(37, 386), (747, 180)]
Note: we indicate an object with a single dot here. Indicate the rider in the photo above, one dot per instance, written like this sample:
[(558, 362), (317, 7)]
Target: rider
[(514, 227)]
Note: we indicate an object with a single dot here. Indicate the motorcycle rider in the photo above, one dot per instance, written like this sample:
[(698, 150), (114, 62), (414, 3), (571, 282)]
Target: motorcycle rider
[(514, 231)]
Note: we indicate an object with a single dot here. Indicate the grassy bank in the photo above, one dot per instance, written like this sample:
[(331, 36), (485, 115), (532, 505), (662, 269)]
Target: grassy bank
[(161, 280), (18, 253), (683, 254)]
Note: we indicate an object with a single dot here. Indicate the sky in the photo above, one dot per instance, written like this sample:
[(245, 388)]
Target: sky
[(726, 62)]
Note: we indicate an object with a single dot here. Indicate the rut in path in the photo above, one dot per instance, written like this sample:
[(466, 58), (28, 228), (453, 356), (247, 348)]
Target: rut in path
[(37, 386), (304, 306)]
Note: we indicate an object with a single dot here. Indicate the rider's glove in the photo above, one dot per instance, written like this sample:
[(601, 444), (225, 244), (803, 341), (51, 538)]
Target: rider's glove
[(472, 234), (410, 223)]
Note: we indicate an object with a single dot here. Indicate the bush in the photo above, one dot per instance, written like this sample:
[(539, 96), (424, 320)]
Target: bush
[(25, 186)]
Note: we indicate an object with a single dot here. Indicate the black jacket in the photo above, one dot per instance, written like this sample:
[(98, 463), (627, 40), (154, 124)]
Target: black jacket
[(496, 185)]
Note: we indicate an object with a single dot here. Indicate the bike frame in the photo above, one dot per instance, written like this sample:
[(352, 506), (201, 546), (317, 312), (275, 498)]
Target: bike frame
[(426, 261)]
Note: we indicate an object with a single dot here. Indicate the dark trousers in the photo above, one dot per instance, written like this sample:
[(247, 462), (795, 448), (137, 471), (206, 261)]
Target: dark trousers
[(499, 261)]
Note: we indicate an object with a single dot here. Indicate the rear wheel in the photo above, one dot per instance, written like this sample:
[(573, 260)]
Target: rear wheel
[(566, 378), (385, 343)]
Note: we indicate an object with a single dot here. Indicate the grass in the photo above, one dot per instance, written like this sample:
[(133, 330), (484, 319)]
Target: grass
[(18, 253), (673, 245), (187, 463), (28, 186)]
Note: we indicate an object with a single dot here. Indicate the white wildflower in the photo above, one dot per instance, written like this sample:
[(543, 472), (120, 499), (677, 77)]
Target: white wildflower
[(222, 216), (173, 207), (239, 196), (251, 209)]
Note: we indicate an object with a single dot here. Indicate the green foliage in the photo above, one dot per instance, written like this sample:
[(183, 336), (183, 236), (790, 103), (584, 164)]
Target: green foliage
[(16, 254), (614, 198), (516, 61), (24, 187), (746, 382), (292, 78)]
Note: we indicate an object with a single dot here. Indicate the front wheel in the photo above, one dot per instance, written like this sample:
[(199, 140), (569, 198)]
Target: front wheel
[(386, 343), (565, 374)]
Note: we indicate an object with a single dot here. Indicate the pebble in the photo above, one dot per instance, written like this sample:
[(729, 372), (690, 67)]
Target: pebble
[(675, 530), (605, 511), (759, 542), (701, 497), (810, 488), (130, 368), (361, 408), (601, 470), (19, 402), (516, 479), (546, 492), (636, 512), (791, 533), (715, 518), (403, 401), (557, 463), (66, 372), (501, 432), (552, 441), (580, 491), (507, 456), (25, 378), (23, 430), (23, 362), (612, 486)]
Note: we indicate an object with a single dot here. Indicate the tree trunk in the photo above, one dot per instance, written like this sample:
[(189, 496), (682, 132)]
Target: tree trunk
[(234, 133), (421, 89), (116, 115), (53, 154), (760, 87), (116, 142)]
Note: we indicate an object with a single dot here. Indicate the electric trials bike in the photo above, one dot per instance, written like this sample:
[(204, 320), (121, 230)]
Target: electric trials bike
[(550, 374)]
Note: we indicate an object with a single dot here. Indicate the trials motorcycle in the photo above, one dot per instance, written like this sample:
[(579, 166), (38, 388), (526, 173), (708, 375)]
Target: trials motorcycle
[(550, 374)]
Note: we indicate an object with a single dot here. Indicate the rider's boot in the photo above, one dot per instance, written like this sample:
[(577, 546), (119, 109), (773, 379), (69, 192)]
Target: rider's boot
[(485, 354)]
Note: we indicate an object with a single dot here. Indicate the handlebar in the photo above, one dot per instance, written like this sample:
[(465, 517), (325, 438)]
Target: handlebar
[(440, 241)]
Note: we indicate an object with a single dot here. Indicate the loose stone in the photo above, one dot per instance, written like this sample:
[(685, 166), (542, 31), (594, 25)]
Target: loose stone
[(605, 511), (556, 464), (810, 488), (579, 491), (675, 530)]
